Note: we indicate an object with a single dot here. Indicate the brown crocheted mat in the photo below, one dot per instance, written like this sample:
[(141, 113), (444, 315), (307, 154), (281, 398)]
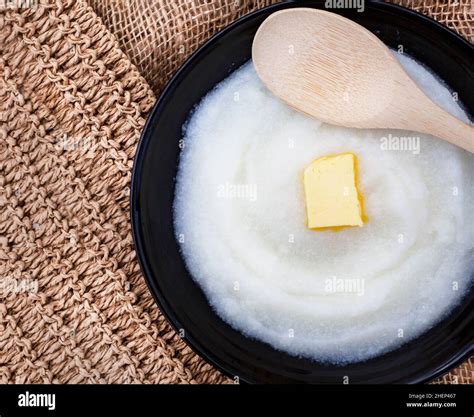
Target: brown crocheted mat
[(73, 304)]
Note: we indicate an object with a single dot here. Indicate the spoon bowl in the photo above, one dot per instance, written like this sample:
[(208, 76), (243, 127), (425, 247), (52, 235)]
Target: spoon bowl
[(331, 68)]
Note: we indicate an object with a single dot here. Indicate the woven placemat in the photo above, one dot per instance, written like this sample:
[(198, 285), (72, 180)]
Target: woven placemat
[(73, 305)]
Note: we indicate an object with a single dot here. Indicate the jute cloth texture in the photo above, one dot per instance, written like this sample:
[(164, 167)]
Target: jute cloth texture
[(158, 35), (77, 80)]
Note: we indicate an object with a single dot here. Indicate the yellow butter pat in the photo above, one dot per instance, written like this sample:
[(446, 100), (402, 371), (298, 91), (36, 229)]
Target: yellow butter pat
[(332, 198)]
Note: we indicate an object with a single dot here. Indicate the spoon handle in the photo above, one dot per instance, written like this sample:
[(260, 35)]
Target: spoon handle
[(416, 112), (442, 124)]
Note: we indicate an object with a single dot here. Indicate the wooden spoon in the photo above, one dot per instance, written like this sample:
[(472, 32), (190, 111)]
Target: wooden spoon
[(337, 71)]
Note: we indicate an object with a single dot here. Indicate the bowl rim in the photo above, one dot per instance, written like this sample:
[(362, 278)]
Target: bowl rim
[(428, 375)]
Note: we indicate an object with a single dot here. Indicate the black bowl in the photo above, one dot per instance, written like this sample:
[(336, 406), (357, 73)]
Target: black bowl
[(153, 184)]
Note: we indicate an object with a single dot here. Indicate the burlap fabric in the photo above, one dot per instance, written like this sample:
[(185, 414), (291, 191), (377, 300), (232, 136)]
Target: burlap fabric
[(73, 304), (158, 35)]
